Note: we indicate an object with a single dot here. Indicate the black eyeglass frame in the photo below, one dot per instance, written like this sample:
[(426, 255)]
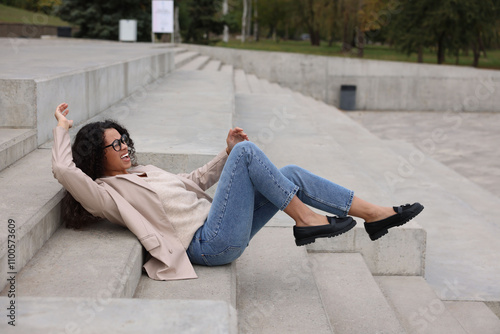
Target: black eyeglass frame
[(118, 143)]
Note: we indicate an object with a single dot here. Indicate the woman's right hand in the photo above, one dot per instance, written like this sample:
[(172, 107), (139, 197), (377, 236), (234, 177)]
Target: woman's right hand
[(61, 112)]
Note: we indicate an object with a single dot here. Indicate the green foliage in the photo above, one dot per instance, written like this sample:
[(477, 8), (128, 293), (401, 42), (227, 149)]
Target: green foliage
[(448, 25), (18, 15), (100, 19), (200, 18)]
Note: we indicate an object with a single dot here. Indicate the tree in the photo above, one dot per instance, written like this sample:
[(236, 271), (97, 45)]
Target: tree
[(307, 10), (447, 25), (100, 19), (204, 18)]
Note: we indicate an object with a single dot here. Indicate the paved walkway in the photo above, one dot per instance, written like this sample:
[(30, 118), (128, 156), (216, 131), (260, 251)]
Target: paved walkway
[(469, 142)]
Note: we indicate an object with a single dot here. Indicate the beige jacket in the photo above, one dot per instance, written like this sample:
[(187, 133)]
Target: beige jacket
[(128, 200)]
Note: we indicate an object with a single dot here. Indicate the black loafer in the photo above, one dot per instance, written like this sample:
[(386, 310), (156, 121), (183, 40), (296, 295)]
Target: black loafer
[(307, 234), (404, 214)]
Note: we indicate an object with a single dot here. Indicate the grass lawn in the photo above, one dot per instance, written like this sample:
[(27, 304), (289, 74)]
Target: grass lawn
[(17, 15), (377, 52)]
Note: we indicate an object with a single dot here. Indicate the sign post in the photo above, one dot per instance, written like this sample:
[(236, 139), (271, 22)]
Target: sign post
[(163, 18)]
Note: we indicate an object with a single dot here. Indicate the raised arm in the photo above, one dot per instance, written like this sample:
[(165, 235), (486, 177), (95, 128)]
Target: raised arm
[(92, 196)]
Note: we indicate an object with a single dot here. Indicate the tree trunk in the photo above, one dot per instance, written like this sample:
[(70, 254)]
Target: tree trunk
[(361, 42), (256, 23), (476, 53), (440, 52), (346, 45), (249, 19), (421, 54), (244, 21), (177, 27), (481, 45), (225, 37)]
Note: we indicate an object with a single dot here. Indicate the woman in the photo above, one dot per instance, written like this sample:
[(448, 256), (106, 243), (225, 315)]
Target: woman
[(177, 222)]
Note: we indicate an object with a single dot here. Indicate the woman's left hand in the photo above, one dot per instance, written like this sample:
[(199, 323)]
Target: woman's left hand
[(234, 137)]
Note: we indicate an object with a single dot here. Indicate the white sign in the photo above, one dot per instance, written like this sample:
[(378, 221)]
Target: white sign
[(163, 16)]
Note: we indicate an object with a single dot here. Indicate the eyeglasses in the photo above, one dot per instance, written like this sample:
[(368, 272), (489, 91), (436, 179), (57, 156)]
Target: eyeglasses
[(117, 143)]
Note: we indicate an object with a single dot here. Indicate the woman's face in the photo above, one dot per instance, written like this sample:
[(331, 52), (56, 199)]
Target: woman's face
[(117, 162)]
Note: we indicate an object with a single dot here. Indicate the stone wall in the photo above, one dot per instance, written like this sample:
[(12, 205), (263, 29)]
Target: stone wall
[(380, 85)]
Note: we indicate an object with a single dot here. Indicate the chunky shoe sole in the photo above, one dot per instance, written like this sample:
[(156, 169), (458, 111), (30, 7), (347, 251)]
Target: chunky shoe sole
[(404, 214), (309, 240)]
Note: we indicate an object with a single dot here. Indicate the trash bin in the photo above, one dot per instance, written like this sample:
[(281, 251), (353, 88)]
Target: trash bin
[(63, 31), (348, 97), (128, 31)]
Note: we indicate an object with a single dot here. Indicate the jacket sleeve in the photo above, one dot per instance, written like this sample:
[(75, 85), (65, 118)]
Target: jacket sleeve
[(92, 196), (209, 174)]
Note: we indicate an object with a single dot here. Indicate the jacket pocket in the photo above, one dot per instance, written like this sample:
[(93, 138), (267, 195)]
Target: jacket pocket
[(150, 242)]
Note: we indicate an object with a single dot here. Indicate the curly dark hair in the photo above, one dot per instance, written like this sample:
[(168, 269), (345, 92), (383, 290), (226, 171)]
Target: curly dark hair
[(88, 155)]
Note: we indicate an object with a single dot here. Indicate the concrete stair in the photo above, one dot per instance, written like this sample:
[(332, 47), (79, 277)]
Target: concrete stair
[(332, 286), (15, 144)]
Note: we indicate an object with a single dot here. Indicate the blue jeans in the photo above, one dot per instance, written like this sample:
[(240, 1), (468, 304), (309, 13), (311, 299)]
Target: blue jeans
[(250, 192)]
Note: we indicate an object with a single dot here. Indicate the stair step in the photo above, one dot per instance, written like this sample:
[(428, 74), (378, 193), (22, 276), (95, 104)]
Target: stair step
[(279, 125), (276, 288), (105, 259), (192, 112), (255, 84), (15, 144), (406, 174), (475, 317), (195, 64), (30, 197), (183, 58), (475, 219), (213, 283), (241, 85), (213, 65), (418, 308), (227, 69), (102, 314), (351, 296)]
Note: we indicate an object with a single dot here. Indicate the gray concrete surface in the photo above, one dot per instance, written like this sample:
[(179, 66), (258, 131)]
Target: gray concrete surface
[(418, 307), (24, 58), (276, 288), (186, 113), (213, 283), (475, 317), (30, 196), (294, 131), (127, 316), (89, 75), (104, 261), (469, 142), (352, 300), (381, 85)]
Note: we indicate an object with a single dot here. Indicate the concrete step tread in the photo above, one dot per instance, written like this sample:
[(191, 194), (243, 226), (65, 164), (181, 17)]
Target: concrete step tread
[(213, 283), (227, 69), (240, 82), (418, 307), (195, 64), (192, 110), (15, 144), (30, 197), (103, 259), (255, 84), (276, 288), (351, 296), (406, 174), (101, 314), (475, 317), (184, 56), (213, 65)]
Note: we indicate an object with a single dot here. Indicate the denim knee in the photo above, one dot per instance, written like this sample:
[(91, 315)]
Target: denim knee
[(292, 172)]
